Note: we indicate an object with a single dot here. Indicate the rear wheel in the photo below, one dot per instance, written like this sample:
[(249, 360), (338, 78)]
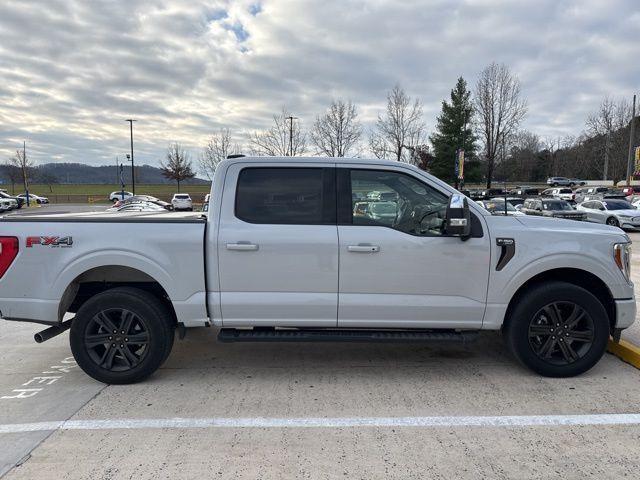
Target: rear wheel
[(121, 335), (558, 330), (613, 222)]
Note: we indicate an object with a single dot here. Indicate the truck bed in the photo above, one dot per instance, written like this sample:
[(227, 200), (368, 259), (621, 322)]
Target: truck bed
[(61, 254)]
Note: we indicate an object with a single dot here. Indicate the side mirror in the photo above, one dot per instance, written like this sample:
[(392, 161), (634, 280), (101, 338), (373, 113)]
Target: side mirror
[(458, 217)]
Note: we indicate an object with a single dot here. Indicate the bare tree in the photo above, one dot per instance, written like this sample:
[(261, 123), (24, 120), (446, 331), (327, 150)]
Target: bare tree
[(275, 141), (13, 173), (401, 126), (610, 126), (336, 132), (500, 109), (24, 164), (219, 146), (178, 164)]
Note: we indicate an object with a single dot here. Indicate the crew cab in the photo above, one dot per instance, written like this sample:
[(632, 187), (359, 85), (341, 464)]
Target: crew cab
[(284, 255)]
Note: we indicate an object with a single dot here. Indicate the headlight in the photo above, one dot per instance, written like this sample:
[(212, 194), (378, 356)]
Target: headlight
[(626, 217), (622, 257)]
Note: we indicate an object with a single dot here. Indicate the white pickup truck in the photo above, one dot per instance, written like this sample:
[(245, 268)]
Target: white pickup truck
[(285, 253)]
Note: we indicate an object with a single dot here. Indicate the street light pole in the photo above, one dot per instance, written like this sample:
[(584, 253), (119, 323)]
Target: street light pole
[(632, 134), (133, 173), (291, 119)]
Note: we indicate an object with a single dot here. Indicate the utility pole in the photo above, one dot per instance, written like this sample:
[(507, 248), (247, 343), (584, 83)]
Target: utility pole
[(632, 137), (291, 119), (133, 172), (24, 169)]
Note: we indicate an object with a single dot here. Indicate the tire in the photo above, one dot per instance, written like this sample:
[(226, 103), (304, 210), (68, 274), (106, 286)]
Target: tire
[(554, 184), (613, 222), (131, 361), (529, 336)]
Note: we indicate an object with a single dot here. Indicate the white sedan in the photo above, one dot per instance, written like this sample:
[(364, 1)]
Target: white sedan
[(119, 195), (618, 213)]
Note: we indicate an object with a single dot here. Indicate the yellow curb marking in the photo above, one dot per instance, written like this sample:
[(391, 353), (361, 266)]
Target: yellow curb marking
[(627, 352)]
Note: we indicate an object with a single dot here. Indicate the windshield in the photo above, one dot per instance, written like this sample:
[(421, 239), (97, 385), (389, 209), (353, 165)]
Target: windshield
[(556, 206), (618, 205), (182, 197), (497, 207)]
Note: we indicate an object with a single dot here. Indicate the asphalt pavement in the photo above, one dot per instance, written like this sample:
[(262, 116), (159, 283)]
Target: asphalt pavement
[(274, 411)]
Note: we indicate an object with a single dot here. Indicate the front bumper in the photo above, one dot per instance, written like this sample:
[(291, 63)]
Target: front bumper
[(625, 312)]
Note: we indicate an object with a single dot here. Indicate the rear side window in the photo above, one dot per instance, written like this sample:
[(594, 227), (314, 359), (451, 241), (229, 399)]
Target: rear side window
[(303, 196)]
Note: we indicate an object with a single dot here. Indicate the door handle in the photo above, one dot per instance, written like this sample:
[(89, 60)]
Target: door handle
[(363, 248), (242, 246)]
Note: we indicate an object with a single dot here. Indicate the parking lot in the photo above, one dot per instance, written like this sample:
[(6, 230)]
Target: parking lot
[(314, 411)]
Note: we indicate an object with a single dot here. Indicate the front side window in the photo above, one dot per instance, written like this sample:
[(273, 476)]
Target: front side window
[(398, 201), (285, 196)]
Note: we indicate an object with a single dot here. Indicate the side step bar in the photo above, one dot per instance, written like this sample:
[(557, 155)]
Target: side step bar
[(229, 335)]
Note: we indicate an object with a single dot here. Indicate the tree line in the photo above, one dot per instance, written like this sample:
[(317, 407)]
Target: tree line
[(485, 122)]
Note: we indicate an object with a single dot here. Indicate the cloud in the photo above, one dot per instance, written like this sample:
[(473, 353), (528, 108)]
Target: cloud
[(72, 71)]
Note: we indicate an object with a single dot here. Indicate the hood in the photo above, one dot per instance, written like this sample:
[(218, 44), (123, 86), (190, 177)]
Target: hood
[(559, 224), (627, 213)]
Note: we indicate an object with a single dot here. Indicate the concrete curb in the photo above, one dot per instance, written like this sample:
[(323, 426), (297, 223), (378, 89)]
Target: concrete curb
[(627, 352)]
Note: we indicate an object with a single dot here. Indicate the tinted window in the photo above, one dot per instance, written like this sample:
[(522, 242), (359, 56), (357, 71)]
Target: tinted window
[(416, 208), (618, 205), (285, 196)]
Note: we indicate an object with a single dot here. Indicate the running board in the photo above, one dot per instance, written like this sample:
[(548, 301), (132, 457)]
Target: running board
[(229, 335)]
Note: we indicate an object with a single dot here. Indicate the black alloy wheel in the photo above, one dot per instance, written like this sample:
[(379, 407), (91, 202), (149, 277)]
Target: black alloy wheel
[(116, 339), (561, 333), (122, 335)]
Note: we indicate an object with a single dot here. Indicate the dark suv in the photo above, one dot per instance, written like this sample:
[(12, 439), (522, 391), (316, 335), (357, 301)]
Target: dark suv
[(551, 207)]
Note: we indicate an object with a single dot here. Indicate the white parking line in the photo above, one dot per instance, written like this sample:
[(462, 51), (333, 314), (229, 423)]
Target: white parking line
[(263, 422)]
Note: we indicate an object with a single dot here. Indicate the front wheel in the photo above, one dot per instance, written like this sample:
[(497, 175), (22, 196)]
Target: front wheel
[(613, 222), (558, 330), (122, 335)]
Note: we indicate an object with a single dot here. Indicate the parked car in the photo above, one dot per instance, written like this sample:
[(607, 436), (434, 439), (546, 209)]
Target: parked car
[(6, 204), (559, 182), (119, 195), (618, 213), (583, 192), (140, 206), (383, 212), (552, 207), (283, 258), (631, 190), (19, 201), (382, 196), (524, 190), (517, 202), (562, 193), (496, 206), (33, 198), (182, 201), (489, 193), (144, 198)]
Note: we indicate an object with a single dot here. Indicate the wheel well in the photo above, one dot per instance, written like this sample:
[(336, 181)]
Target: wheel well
[(575, 276), (103, 278)]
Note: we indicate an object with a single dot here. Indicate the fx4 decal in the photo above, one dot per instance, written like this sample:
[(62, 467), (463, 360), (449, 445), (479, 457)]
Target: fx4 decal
[(63, 242)]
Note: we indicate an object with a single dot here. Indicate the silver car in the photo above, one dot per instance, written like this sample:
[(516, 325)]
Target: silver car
[(618, 213)]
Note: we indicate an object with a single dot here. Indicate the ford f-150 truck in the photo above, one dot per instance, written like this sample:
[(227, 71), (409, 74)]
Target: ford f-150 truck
[(283, 255)]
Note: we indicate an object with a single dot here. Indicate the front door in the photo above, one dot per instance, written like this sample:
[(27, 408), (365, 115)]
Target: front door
[(278, 246), (398, 269)]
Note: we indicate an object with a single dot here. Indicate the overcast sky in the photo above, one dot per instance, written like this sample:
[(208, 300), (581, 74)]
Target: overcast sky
[(72, 71)]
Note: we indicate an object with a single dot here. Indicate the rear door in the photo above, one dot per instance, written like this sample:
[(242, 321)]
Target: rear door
[(404, 272), (278, 246)]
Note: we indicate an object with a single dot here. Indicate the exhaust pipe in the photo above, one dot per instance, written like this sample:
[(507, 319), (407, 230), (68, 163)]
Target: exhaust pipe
[(51, 332)]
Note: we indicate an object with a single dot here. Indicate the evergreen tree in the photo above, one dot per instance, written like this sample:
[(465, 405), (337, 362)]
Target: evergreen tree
[(451, 132)]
